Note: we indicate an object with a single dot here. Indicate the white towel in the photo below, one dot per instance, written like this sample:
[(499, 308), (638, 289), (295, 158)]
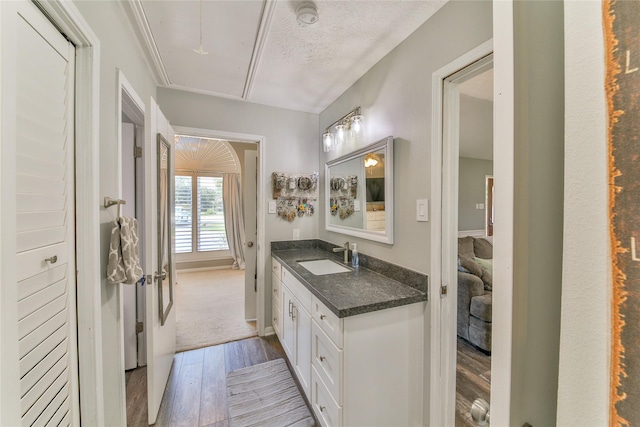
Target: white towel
[(124, 263)]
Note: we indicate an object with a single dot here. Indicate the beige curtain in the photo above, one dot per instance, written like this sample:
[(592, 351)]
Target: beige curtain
[(234, 218)]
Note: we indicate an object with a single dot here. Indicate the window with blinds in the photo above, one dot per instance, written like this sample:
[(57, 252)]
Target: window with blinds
[(199, 197), (184, 214)]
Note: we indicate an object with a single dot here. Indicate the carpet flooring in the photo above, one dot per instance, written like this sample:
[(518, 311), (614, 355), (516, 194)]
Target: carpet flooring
[(265, 395), (210, 309)]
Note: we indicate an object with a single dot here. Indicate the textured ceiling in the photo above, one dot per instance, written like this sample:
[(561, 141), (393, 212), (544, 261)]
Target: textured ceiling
[(259, 53)]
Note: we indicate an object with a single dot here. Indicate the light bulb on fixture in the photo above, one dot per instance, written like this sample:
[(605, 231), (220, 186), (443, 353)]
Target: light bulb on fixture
[(340, 137), (357, 125), (370, 162), (327, 141), (350, 126)]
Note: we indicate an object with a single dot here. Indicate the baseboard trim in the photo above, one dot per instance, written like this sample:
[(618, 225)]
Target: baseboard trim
[(268, 331), (195, 270)]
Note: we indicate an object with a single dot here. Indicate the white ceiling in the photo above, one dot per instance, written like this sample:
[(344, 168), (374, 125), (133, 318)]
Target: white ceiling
[(259, 53)]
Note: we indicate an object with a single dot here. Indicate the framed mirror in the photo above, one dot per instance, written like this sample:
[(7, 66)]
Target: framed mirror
[(164, 277), (359, 192)]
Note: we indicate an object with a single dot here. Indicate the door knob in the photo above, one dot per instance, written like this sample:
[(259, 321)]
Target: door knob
[(250, 244), (480, 412)]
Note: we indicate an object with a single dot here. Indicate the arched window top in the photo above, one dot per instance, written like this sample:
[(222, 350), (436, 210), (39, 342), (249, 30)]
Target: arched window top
[(195, 154)]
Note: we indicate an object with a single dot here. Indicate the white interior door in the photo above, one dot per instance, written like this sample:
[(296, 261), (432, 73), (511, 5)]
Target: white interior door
[(250, 231), (161, 336), (39, 346), (129, 209)]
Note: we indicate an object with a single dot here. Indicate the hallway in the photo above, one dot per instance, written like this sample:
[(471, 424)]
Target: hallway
[(196, 393)]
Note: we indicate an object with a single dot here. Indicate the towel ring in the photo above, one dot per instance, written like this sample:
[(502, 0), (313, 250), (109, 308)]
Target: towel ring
[(108, 202)]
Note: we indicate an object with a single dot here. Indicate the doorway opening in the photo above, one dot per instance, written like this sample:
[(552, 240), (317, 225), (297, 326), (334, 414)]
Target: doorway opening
[(475, 235), (132, 297), (215, 231), (450, 318)]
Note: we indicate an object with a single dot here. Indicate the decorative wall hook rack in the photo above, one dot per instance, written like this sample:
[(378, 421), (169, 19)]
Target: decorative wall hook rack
[(108, 202)]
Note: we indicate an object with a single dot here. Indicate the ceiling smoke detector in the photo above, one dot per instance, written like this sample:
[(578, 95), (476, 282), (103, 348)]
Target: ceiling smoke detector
[(307, 14)]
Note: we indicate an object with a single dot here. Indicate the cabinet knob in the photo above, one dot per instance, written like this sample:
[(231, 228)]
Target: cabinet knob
[(322, 358), (322, 317), (322, 408), (52, 260)]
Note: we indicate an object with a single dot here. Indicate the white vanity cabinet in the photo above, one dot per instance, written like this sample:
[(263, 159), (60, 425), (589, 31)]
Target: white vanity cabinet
[(296, 327), (276, 297), (361, 370), (367, 369)]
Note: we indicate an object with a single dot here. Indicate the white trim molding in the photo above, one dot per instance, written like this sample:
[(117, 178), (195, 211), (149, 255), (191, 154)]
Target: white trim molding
[(444, 179), (66, 16), (138, 19), (263, 177)]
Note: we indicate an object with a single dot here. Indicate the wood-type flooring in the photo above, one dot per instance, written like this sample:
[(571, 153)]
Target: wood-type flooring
[(473, 380), (196, 393)]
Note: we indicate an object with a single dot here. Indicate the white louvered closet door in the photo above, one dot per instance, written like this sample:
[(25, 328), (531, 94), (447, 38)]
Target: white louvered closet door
[(45, 235)]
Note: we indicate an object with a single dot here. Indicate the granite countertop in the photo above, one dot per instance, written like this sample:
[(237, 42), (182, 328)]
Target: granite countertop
[(359, 291)]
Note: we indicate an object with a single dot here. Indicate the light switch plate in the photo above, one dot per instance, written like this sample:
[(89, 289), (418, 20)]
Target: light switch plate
[(356, 205), (479, 206), (272, 207), (422, 210)]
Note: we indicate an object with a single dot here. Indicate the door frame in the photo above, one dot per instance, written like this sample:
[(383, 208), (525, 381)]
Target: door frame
[(444, 234), (131, 105), (70, 22), (263, 179)]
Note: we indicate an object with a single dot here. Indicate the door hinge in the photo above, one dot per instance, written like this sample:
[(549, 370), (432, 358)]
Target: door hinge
[(443, 291), (139, 327), (137, 152)]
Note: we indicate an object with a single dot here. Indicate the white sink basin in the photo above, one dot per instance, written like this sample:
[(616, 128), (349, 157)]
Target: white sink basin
[(320, 267)]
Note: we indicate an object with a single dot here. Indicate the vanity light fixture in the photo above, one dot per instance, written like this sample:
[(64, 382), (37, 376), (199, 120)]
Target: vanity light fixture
[(349, 125)]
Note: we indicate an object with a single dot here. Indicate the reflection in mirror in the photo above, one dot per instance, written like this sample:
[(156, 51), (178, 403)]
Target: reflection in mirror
[(164, 276), (359, 192)]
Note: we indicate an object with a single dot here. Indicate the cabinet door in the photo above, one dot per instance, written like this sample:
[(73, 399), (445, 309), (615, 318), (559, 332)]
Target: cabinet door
[(288, 324), (303, 346), (276, 306)]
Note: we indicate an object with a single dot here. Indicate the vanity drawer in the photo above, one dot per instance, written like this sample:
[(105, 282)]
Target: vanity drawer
[(276, 314), (328, 412), (297, 289), (327, 359), (328, 321), (276, 268)]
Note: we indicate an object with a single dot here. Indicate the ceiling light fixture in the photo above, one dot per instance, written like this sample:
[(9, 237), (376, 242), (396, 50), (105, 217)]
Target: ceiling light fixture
[(307, 14), (350, 125), (200, 50)]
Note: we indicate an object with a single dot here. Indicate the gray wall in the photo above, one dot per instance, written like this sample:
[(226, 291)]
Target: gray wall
[(471, 190), (292, 139), (476, 128), (118, 50), (538, 210), (395, 96)]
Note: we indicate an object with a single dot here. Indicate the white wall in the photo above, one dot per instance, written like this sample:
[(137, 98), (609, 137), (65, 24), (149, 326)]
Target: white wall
[(292, 139), (395, 96), (583, 384), (118, 50)]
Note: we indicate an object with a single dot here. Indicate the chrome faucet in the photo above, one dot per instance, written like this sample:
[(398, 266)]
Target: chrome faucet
[(344, 249)]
